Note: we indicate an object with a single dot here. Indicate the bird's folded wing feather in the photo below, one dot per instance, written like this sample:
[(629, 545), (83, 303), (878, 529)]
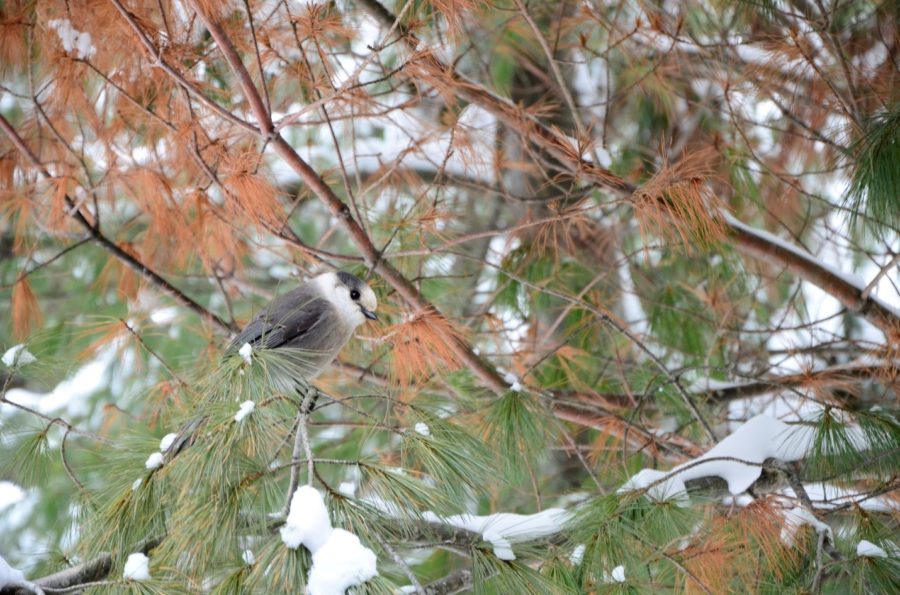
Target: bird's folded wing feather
[(286, 318)]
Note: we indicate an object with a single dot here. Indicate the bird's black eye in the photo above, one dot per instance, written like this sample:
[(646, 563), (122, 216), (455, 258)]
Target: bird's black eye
[(354, 295)]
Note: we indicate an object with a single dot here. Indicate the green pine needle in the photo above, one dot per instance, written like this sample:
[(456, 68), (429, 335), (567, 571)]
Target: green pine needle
[(876, 170), (517, 425), (459, 463)]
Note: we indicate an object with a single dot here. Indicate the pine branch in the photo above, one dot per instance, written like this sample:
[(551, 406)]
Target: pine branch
[(751, 242), (762, 245), (832, 376), (91, 571), (145, 271), (175, 74), (339, 209), (456, 582)]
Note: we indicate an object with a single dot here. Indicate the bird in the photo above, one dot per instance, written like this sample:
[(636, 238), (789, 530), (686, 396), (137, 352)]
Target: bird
[(312, 323), (308, 326)]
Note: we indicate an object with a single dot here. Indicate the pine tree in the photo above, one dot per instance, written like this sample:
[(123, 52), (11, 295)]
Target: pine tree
[(637, 267)]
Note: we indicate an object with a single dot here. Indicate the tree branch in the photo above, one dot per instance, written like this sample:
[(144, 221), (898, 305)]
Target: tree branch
[(87, 572), (751, 242), (766, 247), (339, 209), (146, 272)]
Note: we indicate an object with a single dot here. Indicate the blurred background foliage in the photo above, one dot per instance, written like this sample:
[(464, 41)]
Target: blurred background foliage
[(540, 189)]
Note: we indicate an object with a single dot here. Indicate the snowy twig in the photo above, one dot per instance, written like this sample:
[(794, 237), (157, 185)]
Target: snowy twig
[(80, 587), (77, 578), (301, 446), (832, 376), (395, 556), (790, 472), (765, 246)]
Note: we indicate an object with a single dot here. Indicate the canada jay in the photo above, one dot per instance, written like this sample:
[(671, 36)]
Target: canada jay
[(314, 321), (309, 326)]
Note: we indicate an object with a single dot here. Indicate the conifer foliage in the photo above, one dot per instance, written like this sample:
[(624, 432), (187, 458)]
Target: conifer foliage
[(637, 267)]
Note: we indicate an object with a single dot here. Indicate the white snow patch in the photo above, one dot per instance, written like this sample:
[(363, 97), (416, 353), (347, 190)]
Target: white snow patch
[(348, 488), (245, 352), (248, 557), (136, 484), (10, 494), (163, 316), (283, 271), (828, 496), (166, 443), (577, 554), (737, 459), (797, 517), (73, 40), (513, 381), (660, 485), (865, 548), (9, 576), (423, 429), (154, 461), (632, 308), (307, 522), (616, 576), (503, 529), (245, 409), (502, 547), (17, 355), (342, 562), (137, 567)]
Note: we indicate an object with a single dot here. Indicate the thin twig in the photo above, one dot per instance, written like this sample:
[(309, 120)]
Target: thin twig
[(110, 246)]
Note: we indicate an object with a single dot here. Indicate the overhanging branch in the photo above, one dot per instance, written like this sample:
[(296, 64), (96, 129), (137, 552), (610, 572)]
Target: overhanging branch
[(751, 242), (97, 236)]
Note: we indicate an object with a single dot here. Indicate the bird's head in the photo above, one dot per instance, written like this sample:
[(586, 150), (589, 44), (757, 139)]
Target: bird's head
[(350, 295)]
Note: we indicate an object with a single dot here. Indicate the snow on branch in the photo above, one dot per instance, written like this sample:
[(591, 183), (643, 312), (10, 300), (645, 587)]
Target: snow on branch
[(848, 289), (339, 560), (738, 459), (502, 529)]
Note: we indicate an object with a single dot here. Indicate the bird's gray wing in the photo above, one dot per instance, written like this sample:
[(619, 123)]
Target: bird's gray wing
[(283, 321)]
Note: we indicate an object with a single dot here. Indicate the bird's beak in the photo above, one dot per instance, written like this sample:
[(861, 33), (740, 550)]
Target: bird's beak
[(368, 314)]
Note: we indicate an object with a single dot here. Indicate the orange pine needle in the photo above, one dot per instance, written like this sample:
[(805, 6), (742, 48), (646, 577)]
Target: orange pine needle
[(26, 312), (677, 204), (421, 347)]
